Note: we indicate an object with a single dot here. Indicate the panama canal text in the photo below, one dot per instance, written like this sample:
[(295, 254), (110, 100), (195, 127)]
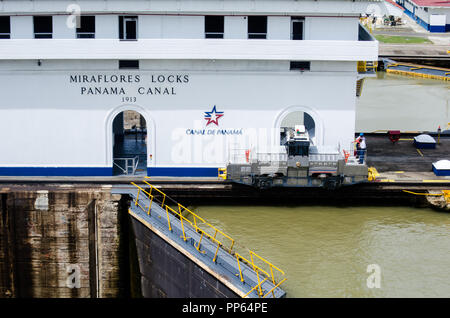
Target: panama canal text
[(128, 84)]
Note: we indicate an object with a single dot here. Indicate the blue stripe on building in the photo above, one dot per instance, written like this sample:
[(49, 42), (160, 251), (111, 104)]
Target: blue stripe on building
[(182, 172), (105, 171), (437, 28), (56, 171)]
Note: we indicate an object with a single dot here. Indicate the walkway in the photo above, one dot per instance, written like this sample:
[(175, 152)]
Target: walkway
[(204, 244)]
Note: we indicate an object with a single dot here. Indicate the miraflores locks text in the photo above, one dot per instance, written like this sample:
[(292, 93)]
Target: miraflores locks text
[(119, 84)]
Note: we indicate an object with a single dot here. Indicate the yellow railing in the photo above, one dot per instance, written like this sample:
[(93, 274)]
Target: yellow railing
[(364, 66), (372, 174), (413, 67), (445, 194), (222, 173), (216, 236)]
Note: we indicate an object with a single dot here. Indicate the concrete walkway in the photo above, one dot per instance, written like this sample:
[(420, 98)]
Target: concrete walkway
[(414, 50), (438, 48)]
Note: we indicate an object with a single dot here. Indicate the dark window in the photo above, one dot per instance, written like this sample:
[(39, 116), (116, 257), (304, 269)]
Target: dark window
[(87, 27), (5, 28), (257, 27), (214, 27), (300, 65), (43, 27), (128, 27), (129, 64), (297, 28)]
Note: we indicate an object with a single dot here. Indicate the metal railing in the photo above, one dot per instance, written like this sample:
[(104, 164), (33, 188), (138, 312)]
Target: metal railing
[(367, 66), (85, 35), (222, 240), (222, 173), (271, 157), (214, 35), (130, 163), (444, 193), (257, 35), (239, 155), (43, 35)]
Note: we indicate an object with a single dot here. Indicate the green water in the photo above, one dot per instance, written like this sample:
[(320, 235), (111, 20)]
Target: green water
[(325, 251), (396, 102)]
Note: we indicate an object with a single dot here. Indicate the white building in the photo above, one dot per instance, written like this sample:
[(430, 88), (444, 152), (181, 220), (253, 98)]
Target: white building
[(433, 15), (210, 78)]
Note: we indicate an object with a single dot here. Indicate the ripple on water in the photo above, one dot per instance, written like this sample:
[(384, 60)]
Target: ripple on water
[(325, 251)]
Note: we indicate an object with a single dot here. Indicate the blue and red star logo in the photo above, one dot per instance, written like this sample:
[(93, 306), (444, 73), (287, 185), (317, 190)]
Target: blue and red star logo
[(213, 116)]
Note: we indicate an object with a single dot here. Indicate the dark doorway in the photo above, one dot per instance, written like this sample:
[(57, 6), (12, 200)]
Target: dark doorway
[(128, 27), (129, 144), (297, 28)]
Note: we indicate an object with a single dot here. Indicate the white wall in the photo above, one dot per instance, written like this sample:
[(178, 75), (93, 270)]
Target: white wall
[(107, 27), (61, 30), (278, 28), (150, 26), (22, 27), (235, 27), (437, 19), (442, 11), (324, 28), (183, 27), (46, 121)]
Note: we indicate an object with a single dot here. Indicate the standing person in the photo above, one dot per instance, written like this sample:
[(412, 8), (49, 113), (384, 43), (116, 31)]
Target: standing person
[(358, 147), (362, 148)]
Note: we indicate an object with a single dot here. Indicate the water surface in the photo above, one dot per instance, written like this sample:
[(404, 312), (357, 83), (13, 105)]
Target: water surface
[(396, 102), (325, 250)]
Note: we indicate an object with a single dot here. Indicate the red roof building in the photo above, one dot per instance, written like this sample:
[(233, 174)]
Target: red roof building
[(432, 3)]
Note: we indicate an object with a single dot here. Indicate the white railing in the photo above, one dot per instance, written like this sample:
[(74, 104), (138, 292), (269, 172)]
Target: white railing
[(325, 157), (271, 157), (129, 163)]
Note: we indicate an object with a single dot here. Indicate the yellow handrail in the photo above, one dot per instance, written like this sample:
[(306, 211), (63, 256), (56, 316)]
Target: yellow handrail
[(195, 216), (212, 237), (222, 173), (257, 286), (427, 194), (274, 287)]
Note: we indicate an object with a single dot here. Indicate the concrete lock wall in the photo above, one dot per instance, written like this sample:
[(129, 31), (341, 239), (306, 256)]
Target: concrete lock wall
[(61, 243), (78, 242), (166, 272)]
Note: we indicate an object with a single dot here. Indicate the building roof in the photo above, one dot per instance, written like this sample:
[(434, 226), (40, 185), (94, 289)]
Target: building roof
[(192, 7), (432, 3), (395, 4)]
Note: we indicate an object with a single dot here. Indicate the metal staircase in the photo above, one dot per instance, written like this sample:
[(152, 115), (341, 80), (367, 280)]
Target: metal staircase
[(206, 245)]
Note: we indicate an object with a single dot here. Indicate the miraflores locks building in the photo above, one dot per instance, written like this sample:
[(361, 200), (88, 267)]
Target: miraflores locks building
[(210, 79)]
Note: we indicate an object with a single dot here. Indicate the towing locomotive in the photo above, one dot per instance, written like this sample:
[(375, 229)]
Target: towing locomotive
[(298, 163)]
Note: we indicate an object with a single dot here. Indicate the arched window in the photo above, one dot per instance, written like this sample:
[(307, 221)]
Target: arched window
[(129, 144)]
